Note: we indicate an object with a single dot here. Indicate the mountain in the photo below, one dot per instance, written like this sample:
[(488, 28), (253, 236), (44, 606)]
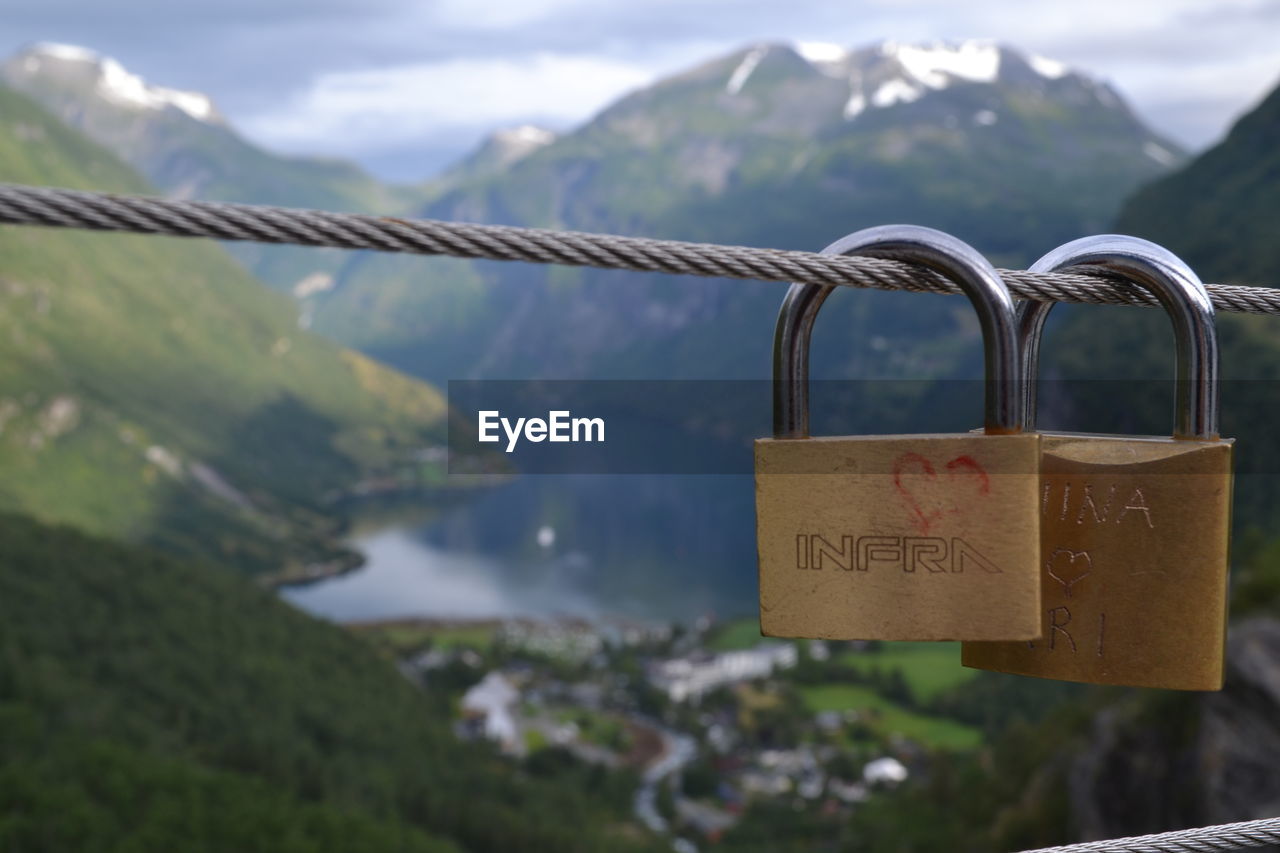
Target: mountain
[(1220, 212), (178, 140), (151, 705), (775, 145), (152, 390), (185, 148), (497, 152)]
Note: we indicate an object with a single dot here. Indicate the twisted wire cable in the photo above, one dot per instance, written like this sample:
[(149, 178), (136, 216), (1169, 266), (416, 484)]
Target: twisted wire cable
[(63, 208), (1248, 835)]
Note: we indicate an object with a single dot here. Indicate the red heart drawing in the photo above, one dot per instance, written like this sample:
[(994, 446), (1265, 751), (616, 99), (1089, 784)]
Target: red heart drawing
[(930, 495)]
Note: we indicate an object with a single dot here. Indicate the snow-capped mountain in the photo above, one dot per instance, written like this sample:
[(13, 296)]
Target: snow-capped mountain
[(773, 144), (177, 139), (776, 89), (500, 150), (186, 149), (777, 145), (79, 68), (895, 72)]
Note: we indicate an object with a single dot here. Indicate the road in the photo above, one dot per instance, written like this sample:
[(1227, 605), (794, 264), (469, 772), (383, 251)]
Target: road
[(678, 750)]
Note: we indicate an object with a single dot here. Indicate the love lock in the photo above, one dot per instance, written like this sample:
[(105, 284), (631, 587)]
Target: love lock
[(921, 537)]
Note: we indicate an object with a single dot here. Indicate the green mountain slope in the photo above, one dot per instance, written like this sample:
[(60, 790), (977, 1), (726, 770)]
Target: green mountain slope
[(769, 147), (1220, 214), (1221, 211), (150, 389), (149, 705), (179, 142)]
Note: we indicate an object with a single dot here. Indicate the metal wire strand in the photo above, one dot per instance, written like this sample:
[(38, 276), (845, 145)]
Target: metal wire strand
[(1248, 835), (62, 208)]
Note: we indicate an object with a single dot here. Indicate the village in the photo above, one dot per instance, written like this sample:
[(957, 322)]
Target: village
[(711, 718)]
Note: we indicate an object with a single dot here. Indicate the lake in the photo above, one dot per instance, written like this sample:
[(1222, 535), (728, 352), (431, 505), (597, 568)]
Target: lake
[(652, 547)]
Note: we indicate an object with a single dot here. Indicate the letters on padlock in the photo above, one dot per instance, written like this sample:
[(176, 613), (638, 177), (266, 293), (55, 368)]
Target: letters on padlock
[(920, 537), (1134, 530)]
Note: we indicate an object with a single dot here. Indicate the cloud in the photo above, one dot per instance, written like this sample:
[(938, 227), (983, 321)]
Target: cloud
[(382, 109), (360, 77)]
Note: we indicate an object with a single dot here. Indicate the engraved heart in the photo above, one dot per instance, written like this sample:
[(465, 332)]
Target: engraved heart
[(929, 495), (1068, 567)]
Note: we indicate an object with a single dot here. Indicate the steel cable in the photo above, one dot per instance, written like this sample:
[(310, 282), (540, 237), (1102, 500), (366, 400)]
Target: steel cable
[(62, 208), (1248, 835)]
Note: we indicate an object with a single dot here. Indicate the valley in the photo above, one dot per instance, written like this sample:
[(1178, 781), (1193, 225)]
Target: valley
[(560, 661), (154, 392)]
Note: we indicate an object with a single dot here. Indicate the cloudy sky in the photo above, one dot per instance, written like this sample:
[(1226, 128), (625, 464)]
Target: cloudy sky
[(405, 85)]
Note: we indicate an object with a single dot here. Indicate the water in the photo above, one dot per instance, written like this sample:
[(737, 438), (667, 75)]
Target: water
[(653, 547), (405, 576)]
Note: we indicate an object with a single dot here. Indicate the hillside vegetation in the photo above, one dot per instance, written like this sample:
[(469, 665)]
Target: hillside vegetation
[(150, 389), (1220, 212), (151, 705)]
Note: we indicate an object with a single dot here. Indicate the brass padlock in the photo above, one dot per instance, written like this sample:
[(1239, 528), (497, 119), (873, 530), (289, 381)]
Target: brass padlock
[(918, 537), (1135, 531)]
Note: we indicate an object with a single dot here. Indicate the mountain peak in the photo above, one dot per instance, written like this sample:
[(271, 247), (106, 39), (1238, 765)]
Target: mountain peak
[(525, 137), (65, 52), (889, 72), (821, 52), (71, 64), (935, 64), (500, 149)]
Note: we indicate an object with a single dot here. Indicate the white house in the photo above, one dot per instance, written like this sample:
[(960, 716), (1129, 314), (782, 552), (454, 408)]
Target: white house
[(689, 677), (887, 770), (491, 702)]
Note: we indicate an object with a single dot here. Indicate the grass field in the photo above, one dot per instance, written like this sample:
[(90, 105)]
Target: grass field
[(929, 668), (406, 637), (887, 718), (737, 634)]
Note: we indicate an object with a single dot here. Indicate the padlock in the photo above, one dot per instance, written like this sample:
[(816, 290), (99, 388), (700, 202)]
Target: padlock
[(1135, 531), (915, 537)]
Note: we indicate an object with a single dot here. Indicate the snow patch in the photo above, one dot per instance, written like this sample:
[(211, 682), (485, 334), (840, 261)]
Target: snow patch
[(1159, 153), (67, 52), (1050, 68), (855, 105), (821, 51), (738, 78), (985, 118), (935, 63), (527, 134), (310, 285), (117, 84), (897, 91)]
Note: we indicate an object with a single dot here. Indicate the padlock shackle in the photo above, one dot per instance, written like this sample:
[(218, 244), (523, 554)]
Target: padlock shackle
[(1183, 297), (1004, 408)]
